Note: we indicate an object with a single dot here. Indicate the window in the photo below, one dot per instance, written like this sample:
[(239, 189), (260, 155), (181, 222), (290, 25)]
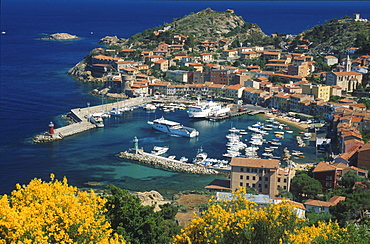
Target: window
[(284, 187), (247, 184), (248, 170), (266, 178), (241, 169), (278, 179), (329, 177), (241, 177), (259, 185), (254, 178), (254, 185), (260, 178), (247, 177), (284, 180), (241, 184), (265, 185)]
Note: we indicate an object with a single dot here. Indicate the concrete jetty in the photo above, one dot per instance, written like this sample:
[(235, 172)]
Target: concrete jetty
[(147, 158), (79, 122)]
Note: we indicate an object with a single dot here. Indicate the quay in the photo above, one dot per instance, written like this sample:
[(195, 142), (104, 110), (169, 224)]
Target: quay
[(79, 122), (139, 155), (243, 111)]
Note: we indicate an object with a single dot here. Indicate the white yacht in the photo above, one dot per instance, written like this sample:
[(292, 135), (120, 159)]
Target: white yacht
[(96, 120), (207, 109), (200, 157), (157, 150), (173, 128)]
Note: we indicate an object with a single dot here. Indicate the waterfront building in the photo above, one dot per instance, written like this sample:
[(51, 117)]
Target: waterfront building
[(264, 175), (177, 75), (234, 91)]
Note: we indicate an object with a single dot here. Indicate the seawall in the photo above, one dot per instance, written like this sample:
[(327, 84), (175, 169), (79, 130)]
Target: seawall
[(140, 156)]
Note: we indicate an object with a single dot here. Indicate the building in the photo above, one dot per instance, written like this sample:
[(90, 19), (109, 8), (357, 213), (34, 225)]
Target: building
[(317, 206), (327, 174), (177, 75), (263, 175), (318, 91), (348, 81), (363, 159), (330, 60)]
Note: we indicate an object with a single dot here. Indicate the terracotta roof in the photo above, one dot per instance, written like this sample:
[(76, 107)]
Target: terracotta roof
[(322, 166), (358, 169), (365, 147), (105, 57), (333, 201), (219, 185), (255, 163), (346, 73)]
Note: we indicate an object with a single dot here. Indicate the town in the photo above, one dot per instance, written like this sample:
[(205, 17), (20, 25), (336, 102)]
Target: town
[(293, 77)]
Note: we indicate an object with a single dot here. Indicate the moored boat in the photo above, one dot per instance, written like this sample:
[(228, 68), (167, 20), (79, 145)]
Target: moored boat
[(173, 128)]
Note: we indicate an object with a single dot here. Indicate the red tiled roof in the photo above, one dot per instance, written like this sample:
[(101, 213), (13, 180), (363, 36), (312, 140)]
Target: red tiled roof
[(255, 163)]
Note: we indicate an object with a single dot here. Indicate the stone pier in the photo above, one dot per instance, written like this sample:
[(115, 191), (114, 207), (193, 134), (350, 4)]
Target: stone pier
[(147, 158)]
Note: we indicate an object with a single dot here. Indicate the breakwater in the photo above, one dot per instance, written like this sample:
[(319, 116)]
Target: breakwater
[(139, 155), (79, 121)]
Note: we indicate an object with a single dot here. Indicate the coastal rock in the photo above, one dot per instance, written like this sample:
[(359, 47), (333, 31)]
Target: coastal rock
[(60, 37), (151, 198), (110, 40)]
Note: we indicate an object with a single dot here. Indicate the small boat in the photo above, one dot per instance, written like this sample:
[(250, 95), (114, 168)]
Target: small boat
[(184, 159), (115, 112), (157, 150), (97, 120), (289, 131), (172, 157), (200, 157)]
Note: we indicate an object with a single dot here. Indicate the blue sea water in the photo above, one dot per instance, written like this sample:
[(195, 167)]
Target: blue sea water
[(34, 87)]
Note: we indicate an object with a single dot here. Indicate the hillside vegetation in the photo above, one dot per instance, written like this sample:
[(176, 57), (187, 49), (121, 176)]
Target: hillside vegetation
[(337, 35), (206, 25)]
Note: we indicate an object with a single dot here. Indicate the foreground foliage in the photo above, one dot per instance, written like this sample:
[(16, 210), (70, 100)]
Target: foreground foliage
[(138, 223), (242, 221), (54, 212)]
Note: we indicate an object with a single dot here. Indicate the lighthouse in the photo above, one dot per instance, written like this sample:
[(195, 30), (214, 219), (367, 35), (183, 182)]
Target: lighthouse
[(136, 143), (51, 128)]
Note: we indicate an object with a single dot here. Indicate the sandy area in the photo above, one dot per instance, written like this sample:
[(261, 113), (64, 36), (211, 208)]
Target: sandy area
[(288, 122), (191, 202)]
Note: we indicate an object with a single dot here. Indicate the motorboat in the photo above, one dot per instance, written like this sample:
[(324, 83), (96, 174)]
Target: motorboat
[(173, 128), (150, 107), (97, 120), (207, 109), (158, 150), (200, 157)]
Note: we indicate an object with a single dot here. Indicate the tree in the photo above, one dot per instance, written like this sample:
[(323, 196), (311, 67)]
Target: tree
[(138, 223), (54, 212), (349, 179), (353, 209), (305, 186)]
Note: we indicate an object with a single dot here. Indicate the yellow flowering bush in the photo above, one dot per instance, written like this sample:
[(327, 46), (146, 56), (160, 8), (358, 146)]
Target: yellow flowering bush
[(54, 212), (240, 221)]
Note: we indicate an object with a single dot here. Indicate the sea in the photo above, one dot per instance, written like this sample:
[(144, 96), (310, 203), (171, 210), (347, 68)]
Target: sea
[(35, 89)]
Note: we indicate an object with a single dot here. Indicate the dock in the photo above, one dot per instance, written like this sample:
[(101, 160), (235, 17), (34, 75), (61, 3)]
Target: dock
[(238, 113), (79, 122), (138, 155)]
